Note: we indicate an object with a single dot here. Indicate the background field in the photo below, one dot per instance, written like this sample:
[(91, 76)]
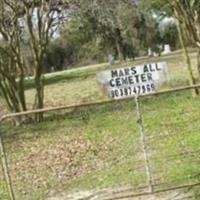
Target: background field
[(99, 147), (79, 85)]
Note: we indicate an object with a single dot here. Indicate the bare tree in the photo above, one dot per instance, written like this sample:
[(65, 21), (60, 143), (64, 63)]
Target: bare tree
[(41, 20), (188, 15), (11, 61)]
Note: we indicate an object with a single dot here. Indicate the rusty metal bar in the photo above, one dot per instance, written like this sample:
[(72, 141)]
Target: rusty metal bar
[(12, 115), (142, 194)]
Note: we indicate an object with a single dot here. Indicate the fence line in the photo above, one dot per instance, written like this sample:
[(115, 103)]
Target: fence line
[(44, 110)]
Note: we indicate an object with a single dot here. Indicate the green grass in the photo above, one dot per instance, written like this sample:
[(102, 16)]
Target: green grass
[(79, 85), (3, 189), (99, 147)]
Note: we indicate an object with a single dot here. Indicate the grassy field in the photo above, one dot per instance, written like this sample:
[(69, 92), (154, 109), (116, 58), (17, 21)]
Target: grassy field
[(79, 85), (100, 147)]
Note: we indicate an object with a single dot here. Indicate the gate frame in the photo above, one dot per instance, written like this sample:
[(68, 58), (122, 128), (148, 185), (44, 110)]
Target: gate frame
[(4, 161)]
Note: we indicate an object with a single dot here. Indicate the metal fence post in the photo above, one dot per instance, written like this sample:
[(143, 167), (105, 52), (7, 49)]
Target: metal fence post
[(6, 170), (144, 147)]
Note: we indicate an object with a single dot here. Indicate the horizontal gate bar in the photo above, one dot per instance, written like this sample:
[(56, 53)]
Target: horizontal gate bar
[(134, 195), (44, 110)]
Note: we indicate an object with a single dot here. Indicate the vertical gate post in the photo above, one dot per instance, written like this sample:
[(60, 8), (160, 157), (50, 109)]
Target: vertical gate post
[(6, 170), (144, 147)]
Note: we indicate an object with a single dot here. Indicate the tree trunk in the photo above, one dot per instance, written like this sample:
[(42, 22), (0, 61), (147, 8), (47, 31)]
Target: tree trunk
[(119, 51), (133, 45), (191, 77), (22, 94), (11, 96), (39, 97), (6, 96), (39, 100), (198, 62), (118, 43)]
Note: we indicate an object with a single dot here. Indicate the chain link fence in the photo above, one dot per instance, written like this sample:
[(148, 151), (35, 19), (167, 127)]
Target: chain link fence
[(97, 152)]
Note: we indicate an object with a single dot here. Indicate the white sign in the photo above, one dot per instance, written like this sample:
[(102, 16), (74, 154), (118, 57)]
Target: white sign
[(134, 80)]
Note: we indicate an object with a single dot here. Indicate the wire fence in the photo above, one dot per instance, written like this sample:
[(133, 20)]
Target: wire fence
[(78, 152)]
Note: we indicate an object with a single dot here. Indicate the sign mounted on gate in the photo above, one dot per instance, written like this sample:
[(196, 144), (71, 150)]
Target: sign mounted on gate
[(134, 80)]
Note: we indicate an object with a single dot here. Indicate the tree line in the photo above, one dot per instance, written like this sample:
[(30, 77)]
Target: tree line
[(95, 29)]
